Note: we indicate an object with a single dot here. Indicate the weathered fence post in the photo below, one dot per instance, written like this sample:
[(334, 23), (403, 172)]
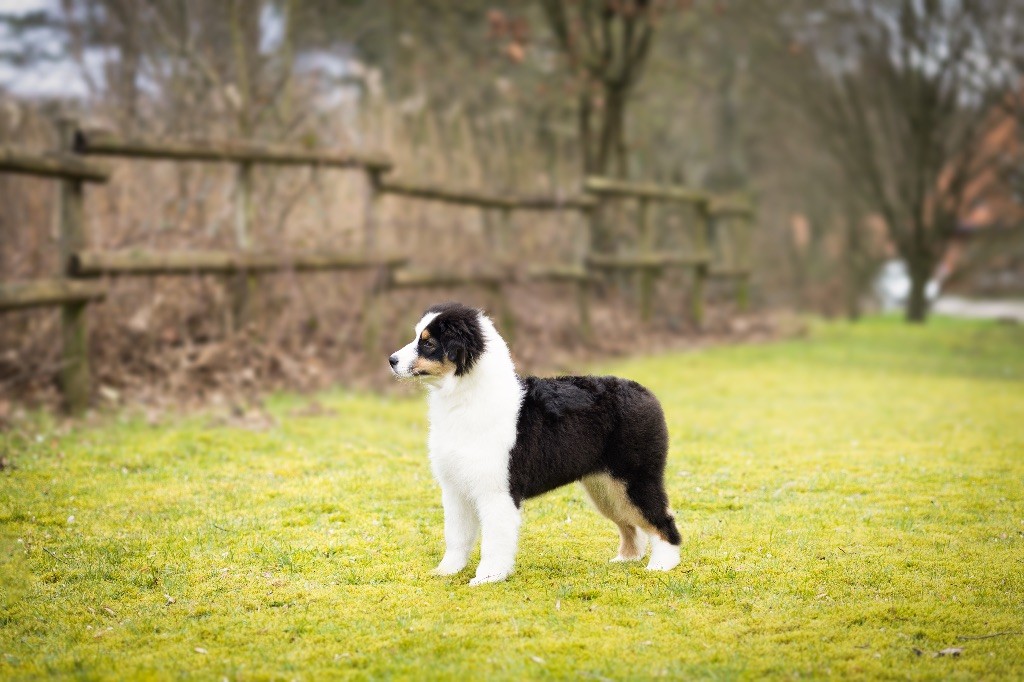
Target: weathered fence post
[(583, 284), (370, 197), (647, 275), (594, 228), (700, 272), (743, 292), (381, 278), (498, 223), (243, 205), (743, 229), (499, 235), (242, 286), (506, 320), (74, 371), (504, 233)]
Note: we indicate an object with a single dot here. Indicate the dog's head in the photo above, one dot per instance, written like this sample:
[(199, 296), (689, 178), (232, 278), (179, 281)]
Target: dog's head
[(449, 340)]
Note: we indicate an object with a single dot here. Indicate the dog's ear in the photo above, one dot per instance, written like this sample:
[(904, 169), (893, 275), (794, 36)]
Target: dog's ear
[(457, 354), (462, 340)]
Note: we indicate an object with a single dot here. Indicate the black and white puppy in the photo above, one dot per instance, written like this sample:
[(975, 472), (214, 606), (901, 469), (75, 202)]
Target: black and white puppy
[(497, 439)]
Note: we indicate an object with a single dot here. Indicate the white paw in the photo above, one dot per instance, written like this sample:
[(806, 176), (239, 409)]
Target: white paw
[(449, 567), (665, 557), (488, 578)]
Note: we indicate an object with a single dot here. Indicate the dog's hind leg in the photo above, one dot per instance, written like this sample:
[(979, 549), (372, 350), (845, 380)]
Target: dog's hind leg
[(608, 496), (651, 499), (664, 555), (632, 543), (460, 531)]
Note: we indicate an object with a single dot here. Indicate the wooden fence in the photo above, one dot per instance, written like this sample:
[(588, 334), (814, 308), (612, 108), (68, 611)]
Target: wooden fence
[(651, 262), (76, 284)]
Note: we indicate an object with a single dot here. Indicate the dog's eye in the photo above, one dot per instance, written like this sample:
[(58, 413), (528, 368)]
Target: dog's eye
[(429, 344)]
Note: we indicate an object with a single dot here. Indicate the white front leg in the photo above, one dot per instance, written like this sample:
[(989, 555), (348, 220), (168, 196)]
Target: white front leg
[(460, 530), (500, 520)]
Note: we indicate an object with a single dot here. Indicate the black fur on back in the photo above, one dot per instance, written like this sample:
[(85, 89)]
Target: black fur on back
[(573, 426), (457, 329)]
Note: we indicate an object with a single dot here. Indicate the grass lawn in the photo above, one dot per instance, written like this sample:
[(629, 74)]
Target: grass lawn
[(851, 504)]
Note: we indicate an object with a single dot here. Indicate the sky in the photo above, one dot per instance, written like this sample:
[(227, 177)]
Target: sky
[(58, 76)]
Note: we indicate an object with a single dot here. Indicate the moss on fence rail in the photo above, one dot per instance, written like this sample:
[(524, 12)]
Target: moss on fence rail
[(142, 262), (48, 292), (61, 166), (106, 143)]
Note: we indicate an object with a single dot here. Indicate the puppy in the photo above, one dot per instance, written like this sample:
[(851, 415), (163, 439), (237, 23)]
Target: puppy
[(497, 439)]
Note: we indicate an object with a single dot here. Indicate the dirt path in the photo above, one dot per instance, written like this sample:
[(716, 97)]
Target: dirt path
[(980, 309)]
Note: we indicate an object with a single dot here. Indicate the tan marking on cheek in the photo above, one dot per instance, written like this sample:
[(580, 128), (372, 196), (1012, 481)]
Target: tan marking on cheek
[(431, 367)]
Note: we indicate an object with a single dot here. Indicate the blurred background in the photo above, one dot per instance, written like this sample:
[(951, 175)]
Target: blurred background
[(879, 144)]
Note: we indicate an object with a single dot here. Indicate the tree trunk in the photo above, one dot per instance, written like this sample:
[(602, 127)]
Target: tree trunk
[(612, 138), (917, 303), (586, 143), (855, 279), (606, 142)]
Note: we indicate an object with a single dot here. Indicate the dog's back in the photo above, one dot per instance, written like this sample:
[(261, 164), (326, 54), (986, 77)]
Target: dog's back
[(573, 426)]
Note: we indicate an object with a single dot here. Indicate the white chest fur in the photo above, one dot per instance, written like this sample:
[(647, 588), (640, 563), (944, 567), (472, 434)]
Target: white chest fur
[(473, 423)]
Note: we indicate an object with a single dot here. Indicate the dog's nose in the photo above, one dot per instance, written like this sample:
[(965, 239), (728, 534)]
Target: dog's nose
[(393, 360)]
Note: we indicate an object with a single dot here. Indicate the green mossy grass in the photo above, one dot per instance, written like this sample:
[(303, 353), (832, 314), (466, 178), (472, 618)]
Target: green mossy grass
[(851, 504)]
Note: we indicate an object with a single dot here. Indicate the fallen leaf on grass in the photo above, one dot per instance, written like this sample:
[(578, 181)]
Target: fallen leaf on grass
[(952, 651), (201, 650), (110, 393), (170, 599), (537, 659)]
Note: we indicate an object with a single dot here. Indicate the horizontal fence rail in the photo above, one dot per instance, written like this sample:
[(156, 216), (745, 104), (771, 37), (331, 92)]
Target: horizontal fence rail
[(555, 203), (483, 199), (645, 190), (63, 166), (730, 206), (38, 293), (640, 261), (238, 151), (465, 197), (135, 262), (77, 284), (557, 273), (422, 277), (729, 273)]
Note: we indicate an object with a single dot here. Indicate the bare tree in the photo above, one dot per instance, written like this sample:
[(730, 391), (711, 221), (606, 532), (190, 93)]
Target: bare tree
[(904, 93), (607, 43)]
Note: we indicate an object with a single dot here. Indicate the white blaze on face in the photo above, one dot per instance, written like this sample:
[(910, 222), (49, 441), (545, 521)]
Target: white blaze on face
[(408, 353)]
